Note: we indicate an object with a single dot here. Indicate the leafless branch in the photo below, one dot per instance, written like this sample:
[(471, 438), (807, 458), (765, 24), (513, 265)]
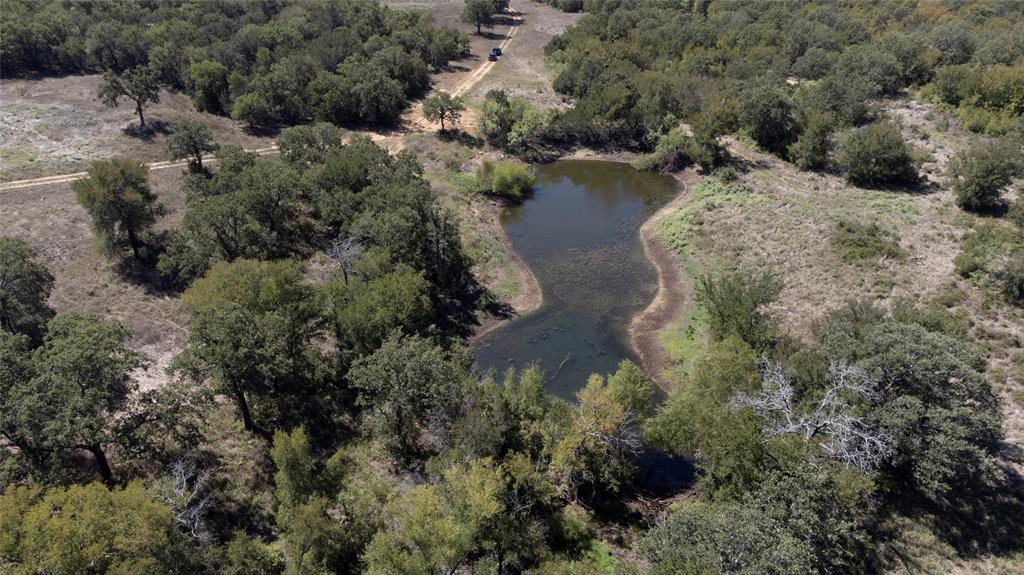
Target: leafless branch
[(184, 488), (345, 252), (842, 436)]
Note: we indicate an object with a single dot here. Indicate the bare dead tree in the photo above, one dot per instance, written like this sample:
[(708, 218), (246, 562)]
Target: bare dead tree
[(345, 252), (842, 436), (184, 488)]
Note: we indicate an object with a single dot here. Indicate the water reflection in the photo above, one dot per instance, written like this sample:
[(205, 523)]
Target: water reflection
[(579, 234)]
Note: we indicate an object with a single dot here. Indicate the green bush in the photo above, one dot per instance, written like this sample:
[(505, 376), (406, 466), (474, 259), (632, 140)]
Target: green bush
[(1013, 279), (505, 178), (768, 115), (252, 109), (734, 302), (986, 249), (857, 242), (877, 155), (980, 174), (1016, 213), (811, 149)]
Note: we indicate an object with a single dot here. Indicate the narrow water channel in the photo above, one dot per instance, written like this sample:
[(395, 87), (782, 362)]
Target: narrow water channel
[(579, 233)]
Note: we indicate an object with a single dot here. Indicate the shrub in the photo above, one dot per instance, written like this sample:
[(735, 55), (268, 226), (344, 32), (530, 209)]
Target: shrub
[(856, 242), (877, 155), (253, 109), (1016, 213), (986, 249), (733, 302), (1013, 279), (505, 178), (980, 174), (768, 116), (811, 149)]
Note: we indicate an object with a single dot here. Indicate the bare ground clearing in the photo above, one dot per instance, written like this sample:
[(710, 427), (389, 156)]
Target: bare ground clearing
[(57, 125), (52, 222)]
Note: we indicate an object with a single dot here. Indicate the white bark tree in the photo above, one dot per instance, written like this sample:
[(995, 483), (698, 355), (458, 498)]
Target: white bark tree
[(841, 436)]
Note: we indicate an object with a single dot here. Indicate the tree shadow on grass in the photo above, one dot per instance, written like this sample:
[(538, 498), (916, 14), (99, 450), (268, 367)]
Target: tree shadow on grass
[(149, 131), (461, 137)]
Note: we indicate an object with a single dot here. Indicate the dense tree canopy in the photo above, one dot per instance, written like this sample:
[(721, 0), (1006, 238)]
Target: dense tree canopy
[(351, 61)]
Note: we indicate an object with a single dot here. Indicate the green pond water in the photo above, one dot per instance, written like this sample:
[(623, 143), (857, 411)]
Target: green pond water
[(579, 233)]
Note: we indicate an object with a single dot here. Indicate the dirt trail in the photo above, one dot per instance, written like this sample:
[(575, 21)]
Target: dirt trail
[(412, 121), (64, 178), (673, 292)]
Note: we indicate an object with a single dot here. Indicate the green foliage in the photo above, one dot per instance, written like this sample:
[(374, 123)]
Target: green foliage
[(117, 196), (435, 528), (939, 408), (811, 149), (992, 254), (191, 140), (90, 529), (246, 556), (504, 178), (802, 521), (677, 149), (768, 115), (210, 88), (141, 85), (248, 209), (25, 286), (696, 420), (251, 336), (69, 399), (734, 303), (312, 541), (406, 388), (301, 145), (1013, 280), (987, 97), (365, 312), (440, 106), (877, 156), (981, 173), (478, 13), (857, 242), (598, 449), (253, 109), (514, 124), (1016, 214), (261, 63)]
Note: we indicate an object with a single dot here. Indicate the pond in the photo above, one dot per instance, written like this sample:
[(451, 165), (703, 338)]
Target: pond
[(579, 233)]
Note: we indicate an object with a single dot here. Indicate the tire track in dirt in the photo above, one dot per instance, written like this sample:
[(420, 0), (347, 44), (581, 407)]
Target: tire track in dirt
[(152, 166)]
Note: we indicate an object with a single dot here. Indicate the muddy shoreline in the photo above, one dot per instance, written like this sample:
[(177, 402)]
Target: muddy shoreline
[(647, 326), (530, 295), (673, 295)]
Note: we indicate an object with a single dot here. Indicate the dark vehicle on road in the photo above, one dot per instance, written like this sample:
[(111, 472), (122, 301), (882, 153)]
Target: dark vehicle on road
[(493, 56)]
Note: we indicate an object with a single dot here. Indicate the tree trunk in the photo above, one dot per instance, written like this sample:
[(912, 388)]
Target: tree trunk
[(133, 241), (477, 28), (142, 119), (442, 121), (101, 463), (243, 407), (199, 162)]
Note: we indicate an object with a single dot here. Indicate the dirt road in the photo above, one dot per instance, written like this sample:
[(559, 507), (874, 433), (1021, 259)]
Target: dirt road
[(413, 120)]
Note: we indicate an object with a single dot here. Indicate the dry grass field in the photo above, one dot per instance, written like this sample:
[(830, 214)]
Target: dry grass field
[(57, 125)]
